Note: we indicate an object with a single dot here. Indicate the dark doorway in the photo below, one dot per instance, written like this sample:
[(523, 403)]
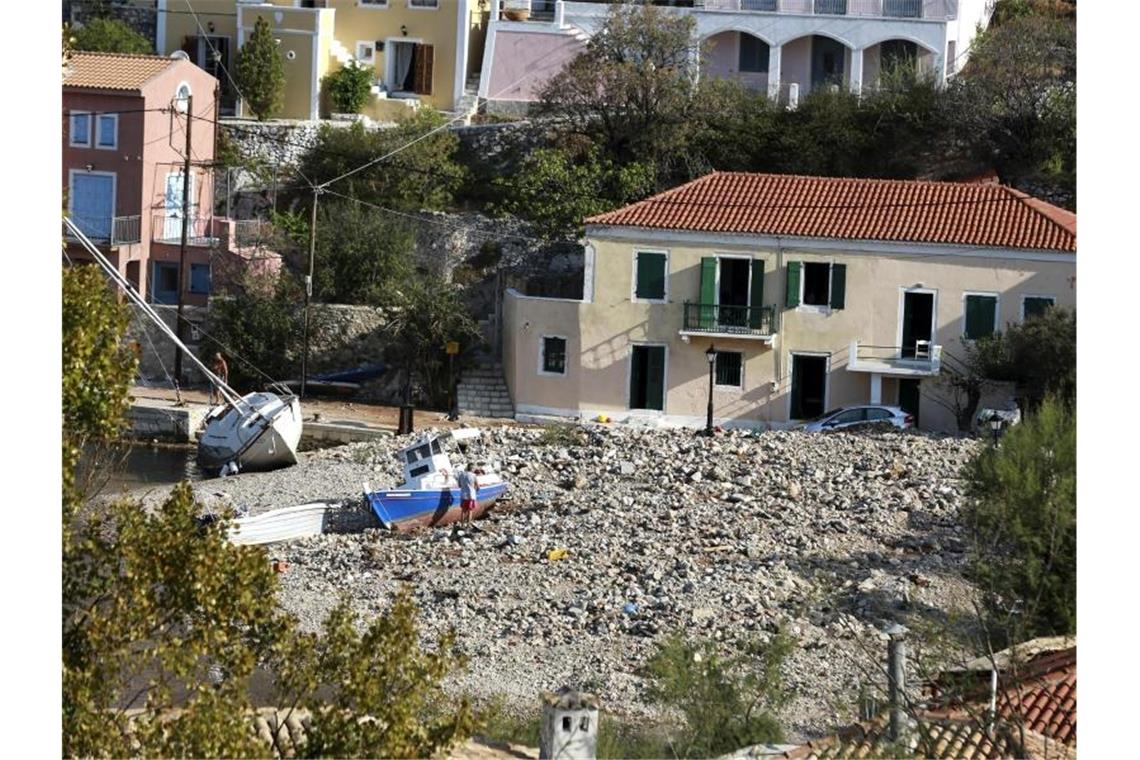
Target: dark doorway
[(647, 378), (732, 294), (918, 316), (827, 61), (809, 385), (908, 397)]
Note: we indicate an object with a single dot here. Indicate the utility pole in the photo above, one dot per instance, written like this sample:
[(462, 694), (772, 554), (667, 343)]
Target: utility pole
[(309, 289), (185, 233)]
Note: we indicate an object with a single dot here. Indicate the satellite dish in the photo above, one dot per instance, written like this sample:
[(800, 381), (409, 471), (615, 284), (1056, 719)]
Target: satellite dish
[(180, 55)]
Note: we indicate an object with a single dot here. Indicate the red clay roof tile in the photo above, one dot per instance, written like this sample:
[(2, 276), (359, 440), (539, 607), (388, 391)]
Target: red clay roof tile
[(953, 213), (113, 71)]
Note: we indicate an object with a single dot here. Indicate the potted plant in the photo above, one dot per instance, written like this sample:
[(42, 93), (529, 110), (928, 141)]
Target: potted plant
[(516, 10)]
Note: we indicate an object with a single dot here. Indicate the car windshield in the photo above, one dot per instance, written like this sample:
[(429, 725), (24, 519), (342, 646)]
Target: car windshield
[(825, 415)]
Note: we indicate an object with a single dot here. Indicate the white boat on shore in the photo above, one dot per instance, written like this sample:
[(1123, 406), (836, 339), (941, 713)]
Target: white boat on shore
[(258, 431)]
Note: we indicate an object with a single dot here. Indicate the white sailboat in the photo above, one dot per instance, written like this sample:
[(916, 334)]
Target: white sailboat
[(258, 431)]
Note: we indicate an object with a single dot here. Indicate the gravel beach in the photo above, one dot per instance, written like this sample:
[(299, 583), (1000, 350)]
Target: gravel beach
[(830, 537)]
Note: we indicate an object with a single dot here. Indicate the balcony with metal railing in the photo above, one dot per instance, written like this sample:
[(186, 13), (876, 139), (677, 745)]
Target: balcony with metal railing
[(167, 229), (941, 10), (722, 321), (108, 230), (921, 359)]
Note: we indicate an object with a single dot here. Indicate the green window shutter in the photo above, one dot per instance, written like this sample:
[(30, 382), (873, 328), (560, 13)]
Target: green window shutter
[(792, 297), (1035, 307), (655, 378), (756, 296), (838, 285), (980, 317), (650, 276), (708, 292)]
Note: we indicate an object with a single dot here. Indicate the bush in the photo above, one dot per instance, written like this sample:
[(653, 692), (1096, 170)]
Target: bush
[(350, 87), (1022, 517), (562, 434), (725, 702)]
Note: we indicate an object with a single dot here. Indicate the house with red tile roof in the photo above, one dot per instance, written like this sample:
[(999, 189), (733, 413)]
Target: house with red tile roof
[(124, 137), (778, 297)]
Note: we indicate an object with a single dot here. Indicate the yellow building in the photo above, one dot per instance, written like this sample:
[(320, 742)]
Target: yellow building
[(422, 51), (784, 297)]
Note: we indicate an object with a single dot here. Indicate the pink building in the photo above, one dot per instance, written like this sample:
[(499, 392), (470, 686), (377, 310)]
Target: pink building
[(124, 136)]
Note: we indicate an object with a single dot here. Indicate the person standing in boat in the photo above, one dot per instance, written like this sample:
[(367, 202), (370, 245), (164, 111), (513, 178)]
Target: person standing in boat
[(222, 370), (468, 492)]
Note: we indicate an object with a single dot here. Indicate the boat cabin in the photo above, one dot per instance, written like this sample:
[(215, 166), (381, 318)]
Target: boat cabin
[(424, 458)]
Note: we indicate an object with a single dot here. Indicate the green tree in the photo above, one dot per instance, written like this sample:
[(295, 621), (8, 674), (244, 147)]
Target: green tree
[(726, 702), (429, 313), (260, 72), (425, 175), (362, 255), (109, 35), (1039, 355), (349, 87), (1022, 519), (1015, 104), (556, 190), (631, 90)]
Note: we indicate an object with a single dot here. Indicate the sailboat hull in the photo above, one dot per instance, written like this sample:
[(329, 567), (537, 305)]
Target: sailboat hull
[(263, 434)]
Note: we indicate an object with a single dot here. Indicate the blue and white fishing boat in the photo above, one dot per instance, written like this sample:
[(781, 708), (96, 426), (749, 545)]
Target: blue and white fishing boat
[(429, 495)]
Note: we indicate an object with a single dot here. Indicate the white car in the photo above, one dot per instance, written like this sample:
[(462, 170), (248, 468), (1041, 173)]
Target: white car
[(851, 416)]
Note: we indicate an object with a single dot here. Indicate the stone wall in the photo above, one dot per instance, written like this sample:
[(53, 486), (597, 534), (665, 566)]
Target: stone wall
[(156, 351)]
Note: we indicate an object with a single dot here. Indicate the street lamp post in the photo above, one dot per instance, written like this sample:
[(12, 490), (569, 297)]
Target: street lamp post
[(995, 426), (452, 400), (710, 354)]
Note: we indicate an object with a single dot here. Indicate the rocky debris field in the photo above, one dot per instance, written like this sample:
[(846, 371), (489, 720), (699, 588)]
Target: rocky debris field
[(830, 537)]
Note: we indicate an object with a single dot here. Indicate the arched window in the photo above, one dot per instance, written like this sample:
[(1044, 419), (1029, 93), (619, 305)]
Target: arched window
[(181, 97)]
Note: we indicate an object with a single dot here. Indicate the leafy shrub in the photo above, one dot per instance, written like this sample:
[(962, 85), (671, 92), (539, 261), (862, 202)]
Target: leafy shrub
[(561, 434), (108, 35), (349, 87)]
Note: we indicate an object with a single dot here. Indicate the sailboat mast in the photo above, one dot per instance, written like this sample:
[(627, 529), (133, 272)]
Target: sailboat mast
[(227, 392)]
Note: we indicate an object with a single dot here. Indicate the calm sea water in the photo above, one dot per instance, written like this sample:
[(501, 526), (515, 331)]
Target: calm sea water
[(143, 465)]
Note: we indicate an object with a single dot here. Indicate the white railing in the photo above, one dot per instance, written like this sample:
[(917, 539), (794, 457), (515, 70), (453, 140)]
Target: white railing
[(940, 10), (924, 357), (168, 229)]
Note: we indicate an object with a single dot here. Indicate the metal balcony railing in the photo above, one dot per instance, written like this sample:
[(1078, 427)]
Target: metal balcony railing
[(742, 320), (116, 230), (920, 9), (168, 229)]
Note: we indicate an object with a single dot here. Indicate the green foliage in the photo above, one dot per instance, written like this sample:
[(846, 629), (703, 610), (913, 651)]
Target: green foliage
[(349, 87), (151, 601), (1039, 355), (362, 255), (98, 367), (429, 313), (424, 176), (1022, 517), (382, 674), (260, 72), (561, 434), (263, 322), (109, 35), (1015, 104), (556, 190), (726, 702)]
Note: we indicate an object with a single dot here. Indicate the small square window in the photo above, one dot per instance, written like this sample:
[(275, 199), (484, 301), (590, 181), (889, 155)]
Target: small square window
[(374, 3), (200, 278), (107, 131), (650, 284), (817, 284), (1035, 306), (553, 355), (366, 52), (423, 3), (80, 129), (729, 368)]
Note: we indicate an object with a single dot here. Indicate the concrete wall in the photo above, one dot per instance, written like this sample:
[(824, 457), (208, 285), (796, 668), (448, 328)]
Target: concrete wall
[(722, 61), (600, 340), (521, 59)]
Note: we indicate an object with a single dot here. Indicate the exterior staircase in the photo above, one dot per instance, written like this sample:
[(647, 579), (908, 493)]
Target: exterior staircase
[(482, 392), (468, 105)]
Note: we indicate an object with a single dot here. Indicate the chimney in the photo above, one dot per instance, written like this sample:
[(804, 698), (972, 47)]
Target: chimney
[(896, 678)]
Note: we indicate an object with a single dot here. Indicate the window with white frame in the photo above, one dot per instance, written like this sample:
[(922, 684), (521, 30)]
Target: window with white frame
[(729, 369), (423, 3), (980, 315), (553, 355), (107, 131), (373, 3), (1035, 306), (80, 133), (182, 97), (366, 52)]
